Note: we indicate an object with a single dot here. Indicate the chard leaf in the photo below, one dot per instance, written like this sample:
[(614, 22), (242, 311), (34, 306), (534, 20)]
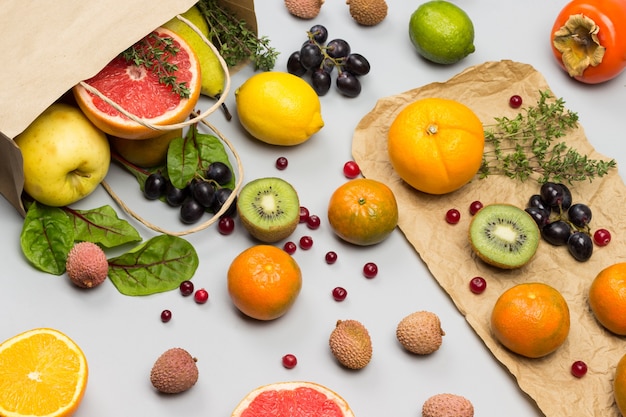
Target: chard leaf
[(157, 265), (182, 159), (102, 226), (46, 238), (211, 149)]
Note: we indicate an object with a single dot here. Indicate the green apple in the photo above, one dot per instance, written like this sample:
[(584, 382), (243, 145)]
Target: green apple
[(65, 156)]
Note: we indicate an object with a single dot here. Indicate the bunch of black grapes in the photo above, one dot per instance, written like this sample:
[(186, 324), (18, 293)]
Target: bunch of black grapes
[(320, 58), (200, 195), (561, 222)]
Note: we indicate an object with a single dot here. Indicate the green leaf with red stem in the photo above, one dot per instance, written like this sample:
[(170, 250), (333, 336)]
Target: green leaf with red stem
[(101, 226)]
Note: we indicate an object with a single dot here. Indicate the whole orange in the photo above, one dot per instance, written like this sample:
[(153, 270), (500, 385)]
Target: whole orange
[(619, 385), (264, 282), (363, 211), (436, 145), (607, 298), (531, 319)]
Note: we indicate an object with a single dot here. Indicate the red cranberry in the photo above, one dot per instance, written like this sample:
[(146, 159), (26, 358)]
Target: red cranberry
[(515, 101), (453, 216), (290, 247), (226, 225), (304, 214), (339, 293), (478, 285), (370, 270), (281, 163), (201, 296), (351, 169), (331, 257), (186, 288), (475, 206), (306, 242), (166, 316), (579, 369), (290, 361), (602, 237), (313, 222)]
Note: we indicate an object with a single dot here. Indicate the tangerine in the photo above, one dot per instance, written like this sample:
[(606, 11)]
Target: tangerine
[(293, 399), (531, 319), (141, 91), (363, 211), (42, 373), (607, 298), (436, 145), (619, 385), (264, 282)]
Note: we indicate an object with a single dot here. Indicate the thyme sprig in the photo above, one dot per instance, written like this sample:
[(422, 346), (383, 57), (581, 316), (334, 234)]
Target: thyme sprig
[(527, 145), (234, 40), (153, 52)]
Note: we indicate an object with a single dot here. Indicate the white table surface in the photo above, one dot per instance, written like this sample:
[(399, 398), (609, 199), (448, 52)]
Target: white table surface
[(122, 336)]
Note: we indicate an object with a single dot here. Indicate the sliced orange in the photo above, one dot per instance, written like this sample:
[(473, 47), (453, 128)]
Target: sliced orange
[(293, 399), (42, 373), (141, 92)]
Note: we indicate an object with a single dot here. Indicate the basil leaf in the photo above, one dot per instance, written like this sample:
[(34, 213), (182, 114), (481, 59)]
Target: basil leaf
[(182, 159), (46, 238), (157, 265), (102, 226)]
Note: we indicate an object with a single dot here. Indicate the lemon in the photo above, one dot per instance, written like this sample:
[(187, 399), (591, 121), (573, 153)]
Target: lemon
[(278, 108), (441, 32)]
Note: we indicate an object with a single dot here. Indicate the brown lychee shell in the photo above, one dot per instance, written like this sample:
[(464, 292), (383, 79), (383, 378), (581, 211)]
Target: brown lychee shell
[(351, 344), (174, 371), (420, 332), (368, 12), (447, 405), (87, 265), (304, 9)]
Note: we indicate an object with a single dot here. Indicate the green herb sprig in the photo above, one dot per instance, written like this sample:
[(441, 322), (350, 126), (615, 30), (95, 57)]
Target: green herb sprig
[(526, 145), (234, 40), (153, 52)]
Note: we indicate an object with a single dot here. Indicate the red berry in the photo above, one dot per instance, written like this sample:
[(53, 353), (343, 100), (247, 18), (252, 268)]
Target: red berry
[(281, 162), (313, 222), (331, 257), (226, 225), (351, 169), (515, 101), (306, 242), (290, 361), (290, 247), (201, 296), (370, 270), (602, 237), (453, 216), (478, 285), (475, 206), (579, 369), (186, 288), (166, 316), (339, 293), (304, 214)]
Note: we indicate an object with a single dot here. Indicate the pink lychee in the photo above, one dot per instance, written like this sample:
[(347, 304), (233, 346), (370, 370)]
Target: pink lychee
[(87, 265)]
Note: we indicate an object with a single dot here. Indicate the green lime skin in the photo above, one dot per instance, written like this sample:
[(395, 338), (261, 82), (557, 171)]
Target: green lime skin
[(441, 32)]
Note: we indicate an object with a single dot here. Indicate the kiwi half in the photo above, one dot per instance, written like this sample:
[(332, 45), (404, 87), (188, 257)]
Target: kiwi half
[(504, 235), (269, 208)]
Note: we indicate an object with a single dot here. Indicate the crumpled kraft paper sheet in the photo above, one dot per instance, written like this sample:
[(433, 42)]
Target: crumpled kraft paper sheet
[(446, 251)]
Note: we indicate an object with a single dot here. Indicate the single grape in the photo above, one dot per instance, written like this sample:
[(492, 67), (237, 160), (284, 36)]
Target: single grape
[(552, 194), (310, 56), (219, 172), (175, 196), (338, 48), (289, 361), (294, 66), (348, 84), (281, 162), (579, 214), (226, 225), (330, 257), (290, 247), (579, 369), (154, 187), (191, 211), (541, 217), (204, 193), (535, 200), (478, 285), (475, 206), (453, 216), (321, 81), (186, 288), (356, 64), (319, 33), (602, 237), (351, 169), (515, 101), (328, 65), (304, 214), (221, 196), (370, 270), (580, 246), (339, 293), (556, 233), (567, 197), (306, 242), (313, 222)]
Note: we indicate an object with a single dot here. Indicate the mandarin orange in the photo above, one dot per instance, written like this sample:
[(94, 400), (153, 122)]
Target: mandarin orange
[(531, 319), (619, 385), (264, 282), (607, 298), (436, 145)]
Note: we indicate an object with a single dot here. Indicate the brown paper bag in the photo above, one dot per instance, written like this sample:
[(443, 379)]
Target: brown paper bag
[(57, 44), (446, 251)]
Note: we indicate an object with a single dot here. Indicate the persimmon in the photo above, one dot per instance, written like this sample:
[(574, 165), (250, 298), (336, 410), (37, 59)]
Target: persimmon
[(589, 39)]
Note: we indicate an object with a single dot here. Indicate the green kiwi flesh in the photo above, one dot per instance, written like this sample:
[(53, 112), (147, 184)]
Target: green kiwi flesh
[(504, 235), (268, 208)]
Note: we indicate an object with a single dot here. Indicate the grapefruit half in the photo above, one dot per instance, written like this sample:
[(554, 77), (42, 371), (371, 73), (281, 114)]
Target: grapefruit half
[(140, 91), (292, 399)]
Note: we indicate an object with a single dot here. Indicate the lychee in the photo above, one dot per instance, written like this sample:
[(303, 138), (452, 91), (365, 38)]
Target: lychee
[(420, 332), (447, 405), (87, 265), (304, 9), (174, 371)]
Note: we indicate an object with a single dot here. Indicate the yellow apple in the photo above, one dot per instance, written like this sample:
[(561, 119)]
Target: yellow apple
[(65, 156), (146, 153)]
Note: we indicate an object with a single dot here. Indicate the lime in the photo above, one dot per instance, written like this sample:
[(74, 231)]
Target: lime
[(441, 32)]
